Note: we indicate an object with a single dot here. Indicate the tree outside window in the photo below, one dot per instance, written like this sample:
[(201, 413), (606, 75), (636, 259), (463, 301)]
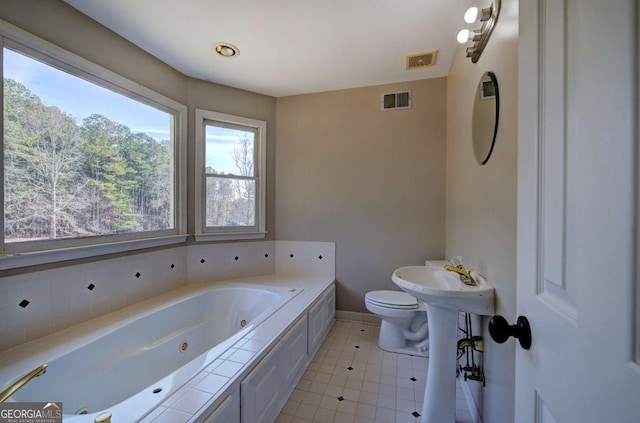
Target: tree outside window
[(230, 153)]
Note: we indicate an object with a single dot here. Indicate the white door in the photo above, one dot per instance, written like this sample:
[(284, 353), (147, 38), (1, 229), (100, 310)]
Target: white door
[(577, 212)]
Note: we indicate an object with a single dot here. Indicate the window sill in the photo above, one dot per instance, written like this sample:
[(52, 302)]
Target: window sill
[(17, 260), (230, 236)]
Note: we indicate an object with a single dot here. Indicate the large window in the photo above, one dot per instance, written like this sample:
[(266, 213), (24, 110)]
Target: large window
[(230, 176), (88, 157)]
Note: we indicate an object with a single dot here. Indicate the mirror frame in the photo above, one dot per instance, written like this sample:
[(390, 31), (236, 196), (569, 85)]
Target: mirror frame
[(493, 78)]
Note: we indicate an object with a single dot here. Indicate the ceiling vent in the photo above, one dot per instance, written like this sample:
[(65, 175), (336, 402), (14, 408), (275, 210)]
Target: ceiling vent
[(421, 60), (396, 101)]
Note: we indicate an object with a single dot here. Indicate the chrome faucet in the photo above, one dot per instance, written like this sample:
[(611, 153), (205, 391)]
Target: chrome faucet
[(457, 267), (40, 370)]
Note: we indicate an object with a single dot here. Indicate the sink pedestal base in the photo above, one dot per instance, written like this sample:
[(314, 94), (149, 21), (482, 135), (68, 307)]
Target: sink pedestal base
[(440, 395)]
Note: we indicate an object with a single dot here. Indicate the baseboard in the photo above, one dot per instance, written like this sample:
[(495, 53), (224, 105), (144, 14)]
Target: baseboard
[(354, 316), (471, 403)]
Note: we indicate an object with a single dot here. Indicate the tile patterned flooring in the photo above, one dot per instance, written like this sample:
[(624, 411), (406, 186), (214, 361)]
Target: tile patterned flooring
[(351, 380)]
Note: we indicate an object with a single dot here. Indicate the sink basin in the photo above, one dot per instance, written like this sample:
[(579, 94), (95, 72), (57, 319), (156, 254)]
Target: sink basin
[(445, 296), (442, 288)]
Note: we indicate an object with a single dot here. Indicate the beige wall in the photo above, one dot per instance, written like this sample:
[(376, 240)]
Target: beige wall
[(60, 24), (342, 170), (371, 181), (481, 200)]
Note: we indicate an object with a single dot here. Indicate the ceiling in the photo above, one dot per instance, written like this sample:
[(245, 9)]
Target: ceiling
[(289, 47)]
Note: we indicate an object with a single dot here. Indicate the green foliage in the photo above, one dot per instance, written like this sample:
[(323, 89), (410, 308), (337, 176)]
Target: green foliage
[(65, 180)]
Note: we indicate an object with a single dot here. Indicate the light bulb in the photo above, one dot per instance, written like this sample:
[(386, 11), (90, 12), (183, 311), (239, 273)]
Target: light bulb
[(471, 15), (463, 36)]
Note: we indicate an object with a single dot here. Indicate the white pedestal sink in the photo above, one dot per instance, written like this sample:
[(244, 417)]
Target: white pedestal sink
[(445, 296)]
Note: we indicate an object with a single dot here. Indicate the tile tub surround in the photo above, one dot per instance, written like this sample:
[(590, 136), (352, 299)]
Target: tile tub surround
[(36, 304), (224, 374), (66, 296), (199, 397), (163, 341)]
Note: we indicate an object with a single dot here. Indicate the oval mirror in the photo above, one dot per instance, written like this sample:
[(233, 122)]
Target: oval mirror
[(486, 108)]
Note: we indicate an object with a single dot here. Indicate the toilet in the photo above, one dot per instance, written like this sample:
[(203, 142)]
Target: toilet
[(403, 328)]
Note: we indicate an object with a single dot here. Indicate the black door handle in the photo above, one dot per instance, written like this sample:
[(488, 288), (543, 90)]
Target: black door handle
[(500, 330)]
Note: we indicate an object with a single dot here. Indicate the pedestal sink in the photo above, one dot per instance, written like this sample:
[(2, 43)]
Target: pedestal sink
[(445, 296)]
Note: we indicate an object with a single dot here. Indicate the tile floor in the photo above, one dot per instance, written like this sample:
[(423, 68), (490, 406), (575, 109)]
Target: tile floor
[(351, 380)]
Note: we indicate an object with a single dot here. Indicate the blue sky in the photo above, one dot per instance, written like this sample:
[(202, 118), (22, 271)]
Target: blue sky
[(81, 99), (219, 148)]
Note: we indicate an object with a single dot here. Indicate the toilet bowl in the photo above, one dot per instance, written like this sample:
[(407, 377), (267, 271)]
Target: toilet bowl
[(403, 327)]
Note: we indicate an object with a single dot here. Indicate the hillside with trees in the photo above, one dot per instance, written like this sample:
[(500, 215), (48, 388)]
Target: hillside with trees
[(64, 179)]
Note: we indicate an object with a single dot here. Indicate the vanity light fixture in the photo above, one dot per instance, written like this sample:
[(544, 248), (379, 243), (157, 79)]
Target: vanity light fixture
[(471, 15), (479, 37), (466, 35), (227, 50)]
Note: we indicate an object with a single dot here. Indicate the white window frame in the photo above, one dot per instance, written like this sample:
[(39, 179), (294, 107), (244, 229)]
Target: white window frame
[(27, 253), (202, 232)]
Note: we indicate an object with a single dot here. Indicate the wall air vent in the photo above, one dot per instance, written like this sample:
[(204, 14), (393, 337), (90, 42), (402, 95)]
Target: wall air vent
[(396, 101), (421, 60)]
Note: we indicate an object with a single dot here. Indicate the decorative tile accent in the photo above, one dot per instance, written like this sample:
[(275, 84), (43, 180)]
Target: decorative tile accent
[(413, 379), (75, 297), (320, 257), (236, 258), (202, 261), (266, 255), (349, 368), (306, 260), (24, 303), (173, 265), (340, 398), (415, 414), (138, 274)]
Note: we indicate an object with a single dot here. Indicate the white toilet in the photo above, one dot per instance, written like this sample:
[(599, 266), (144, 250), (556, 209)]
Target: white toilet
[(404, 326)]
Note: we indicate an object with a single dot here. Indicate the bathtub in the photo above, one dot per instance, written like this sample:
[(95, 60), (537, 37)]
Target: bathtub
[(129, 361)]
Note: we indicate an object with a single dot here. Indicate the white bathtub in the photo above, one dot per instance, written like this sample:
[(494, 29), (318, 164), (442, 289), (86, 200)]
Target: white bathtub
[(129, 361)]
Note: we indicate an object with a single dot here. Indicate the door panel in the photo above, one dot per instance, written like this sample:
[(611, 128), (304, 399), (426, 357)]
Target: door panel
[(262, 390), (552, 149), (577, 211), (294, 349), (316, 327)]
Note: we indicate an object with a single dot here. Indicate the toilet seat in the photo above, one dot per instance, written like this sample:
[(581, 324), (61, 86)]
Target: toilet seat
[(392, 299), (398, 311)]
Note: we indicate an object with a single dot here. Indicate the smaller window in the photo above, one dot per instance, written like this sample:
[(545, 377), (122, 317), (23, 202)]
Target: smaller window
[(230, 176)]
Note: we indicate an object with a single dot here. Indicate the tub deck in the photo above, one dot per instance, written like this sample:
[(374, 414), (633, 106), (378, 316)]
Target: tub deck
[(232, 360)]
